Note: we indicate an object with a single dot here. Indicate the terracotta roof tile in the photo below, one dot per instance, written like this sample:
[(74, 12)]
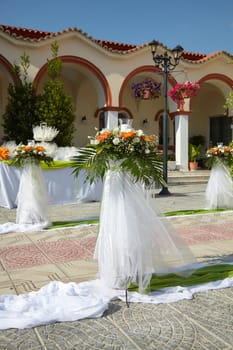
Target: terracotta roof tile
[(116, 47), (24, 32), (201, 58), (193, 56)]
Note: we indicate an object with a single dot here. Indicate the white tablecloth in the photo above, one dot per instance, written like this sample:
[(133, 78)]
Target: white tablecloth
[(63, 188)]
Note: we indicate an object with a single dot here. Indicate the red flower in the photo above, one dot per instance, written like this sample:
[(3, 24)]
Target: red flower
[(182, 91)]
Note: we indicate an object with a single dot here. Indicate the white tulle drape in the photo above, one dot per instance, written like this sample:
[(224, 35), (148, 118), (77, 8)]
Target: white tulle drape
[(62, 302), (219, 190), (32, 198), (133, 240)]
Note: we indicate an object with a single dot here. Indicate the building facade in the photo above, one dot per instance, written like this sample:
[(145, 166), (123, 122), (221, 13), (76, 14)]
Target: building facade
[(98, 75)]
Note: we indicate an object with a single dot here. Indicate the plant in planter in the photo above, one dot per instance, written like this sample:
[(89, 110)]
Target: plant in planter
[(171, 161), (182, 91), (146, 89), (194, 153), (199, 140)]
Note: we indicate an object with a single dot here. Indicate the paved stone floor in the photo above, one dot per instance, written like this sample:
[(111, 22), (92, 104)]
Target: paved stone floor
[(30, 260)]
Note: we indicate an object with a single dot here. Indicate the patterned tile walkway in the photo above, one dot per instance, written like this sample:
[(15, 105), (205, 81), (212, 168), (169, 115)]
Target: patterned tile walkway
[(14, 256), (45, 253), (207, 233)]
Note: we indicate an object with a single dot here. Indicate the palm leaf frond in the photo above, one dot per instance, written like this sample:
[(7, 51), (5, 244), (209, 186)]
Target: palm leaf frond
[(148, 169), (93, 163), (131, 154)]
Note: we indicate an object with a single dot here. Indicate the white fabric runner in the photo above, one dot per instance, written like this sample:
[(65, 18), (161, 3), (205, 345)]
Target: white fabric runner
[(9, 227), (63, 302)]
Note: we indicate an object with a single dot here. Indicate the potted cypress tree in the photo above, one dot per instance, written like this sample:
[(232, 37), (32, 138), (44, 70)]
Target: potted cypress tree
[(20, 114), (55, 106)]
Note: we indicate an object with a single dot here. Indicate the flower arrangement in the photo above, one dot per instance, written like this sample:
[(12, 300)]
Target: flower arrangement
[(4, 153), (220, 154), (29, 153), (124, 143), (184, 90), (131, 151), (147, 85)]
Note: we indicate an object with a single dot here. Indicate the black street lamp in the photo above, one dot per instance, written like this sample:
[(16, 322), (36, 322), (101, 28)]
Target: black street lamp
[(166, 63)]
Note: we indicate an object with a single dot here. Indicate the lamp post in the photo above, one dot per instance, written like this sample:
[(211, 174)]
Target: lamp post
[(166, 63)]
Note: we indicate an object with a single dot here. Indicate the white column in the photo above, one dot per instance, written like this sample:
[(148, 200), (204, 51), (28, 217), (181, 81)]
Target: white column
[(181, 128), (111, 119)]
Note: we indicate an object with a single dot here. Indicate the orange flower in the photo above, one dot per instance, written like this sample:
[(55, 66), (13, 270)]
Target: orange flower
[(214, 150), (40, 149), (27, 148), (4, 153), (128, 135), (149, 138), (226, 149), (104, 135)]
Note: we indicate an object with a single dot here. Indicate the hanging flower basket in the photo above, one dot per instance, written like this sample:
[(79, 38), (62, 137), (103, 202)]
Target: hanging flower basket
[(147, 89), (146, 94), (182, 91)]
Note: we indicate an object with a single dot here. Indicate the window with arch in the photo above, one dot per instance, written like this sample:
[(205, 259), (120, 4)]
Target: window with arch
[(103, 119)]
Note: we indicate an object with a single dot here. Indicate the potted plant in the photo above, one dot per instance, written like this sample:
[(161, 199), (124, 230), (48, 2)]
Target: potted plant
[(199, 140), (146, 89), (171, 161), (194, 153), (182, 91)]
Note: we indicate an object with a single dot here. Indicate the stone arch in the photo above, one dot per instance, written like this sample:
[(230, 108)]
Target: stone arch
[(139, 70), (158, 114), (6, 76), (216, 76), (208, 116), (90, 69), (7, 67), (143, 110)]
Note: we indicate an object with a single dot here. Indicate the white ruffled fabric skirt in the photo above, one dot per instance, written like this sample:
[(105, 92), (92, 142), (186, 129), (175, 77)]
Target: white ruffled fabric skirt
[(219, 190), (32, 198), (134, 241)]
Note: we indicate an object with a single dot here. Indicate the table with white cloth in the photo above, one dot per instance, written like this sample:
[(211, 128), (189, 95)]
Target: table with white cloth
[(63, 187)]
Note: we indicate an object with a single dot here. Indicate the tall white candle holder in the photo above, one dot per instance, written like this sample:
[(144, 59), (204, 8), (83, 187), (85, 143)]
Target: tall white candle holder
[(125, 124)]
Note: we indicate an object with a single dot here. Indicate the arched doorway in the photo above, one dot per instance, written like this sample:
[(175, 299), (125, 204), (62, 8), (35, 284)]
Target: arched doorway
[(88, 89)]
